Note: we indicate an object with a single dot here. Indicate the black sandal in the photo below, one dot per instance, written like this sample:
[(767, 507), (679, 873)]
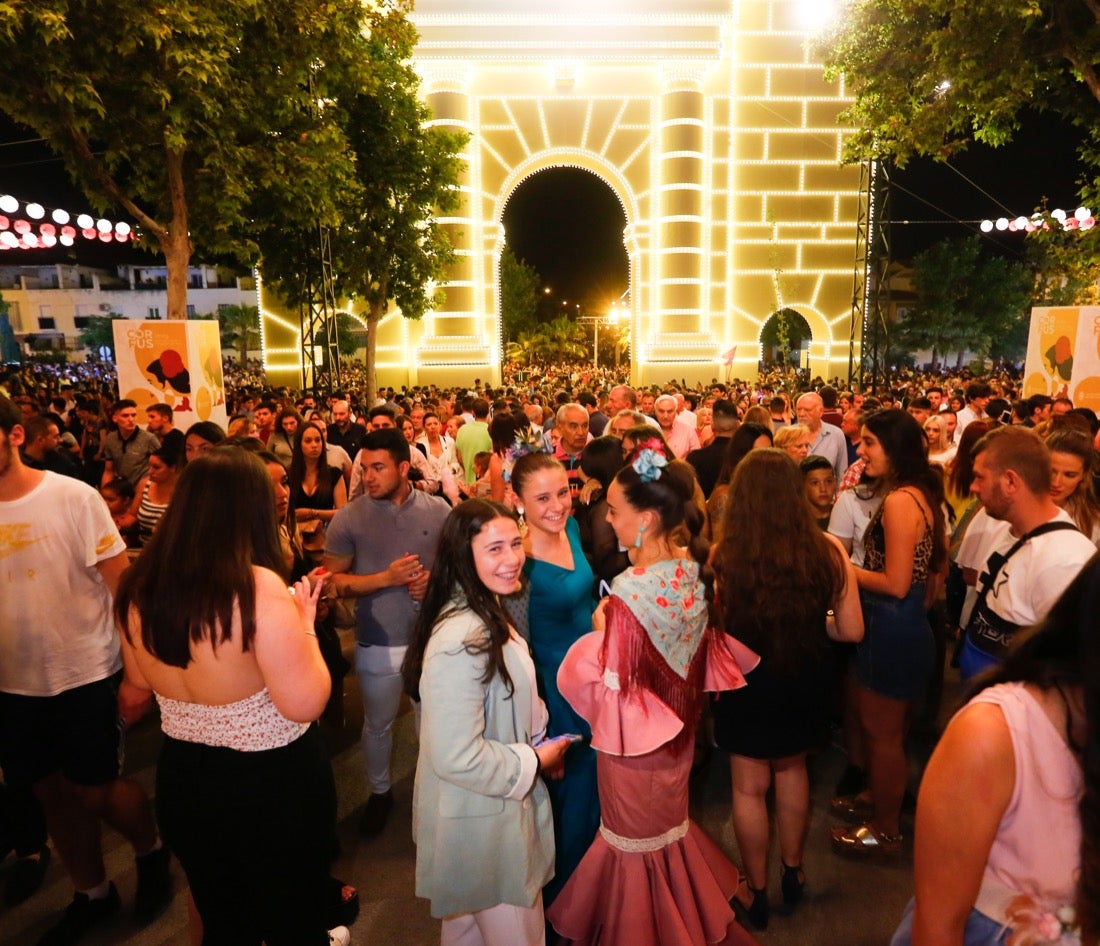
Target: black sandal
[(343, 905), (791, 882)]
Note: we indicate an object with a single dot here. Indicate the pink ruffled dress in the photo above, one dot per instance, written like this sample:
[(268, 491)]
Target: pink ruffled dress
[(651, 876)]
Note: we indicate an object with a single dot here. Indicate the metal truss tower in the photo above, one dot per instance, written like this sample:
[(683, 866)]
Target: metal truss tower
[(317, 322), (871, 287)]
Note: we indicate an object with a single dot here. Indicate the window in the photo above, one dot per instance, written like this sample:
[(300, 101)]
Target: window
[(153, 312), (81, 321), (222, 307), (191, 312), (47, 324)]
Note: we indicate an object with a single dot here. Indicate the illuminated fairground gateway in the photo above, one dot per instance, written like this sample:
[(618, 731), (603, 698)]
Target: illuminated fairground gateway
[(712, 126)]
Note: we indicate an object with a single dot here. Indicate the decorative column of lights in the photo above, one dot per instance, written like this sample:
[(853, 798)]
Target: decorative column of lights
[(1080, 219), (23, 226), (446, 96), (679, 283)]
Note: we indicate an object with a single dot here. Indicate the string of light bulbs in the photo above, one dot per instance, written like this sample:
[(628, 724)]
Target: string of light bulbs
[(24, 226), (1080, 219)]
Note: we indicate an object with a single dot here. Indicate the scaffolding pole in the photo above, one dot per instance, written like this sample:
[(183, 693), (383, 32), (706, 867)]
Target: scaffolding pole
[(870, 286), (317, 322)]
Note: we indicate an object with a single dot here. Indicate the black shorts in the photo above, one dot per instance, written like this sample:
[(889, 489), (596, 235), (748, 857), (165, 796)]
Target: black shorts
[(77, 733)]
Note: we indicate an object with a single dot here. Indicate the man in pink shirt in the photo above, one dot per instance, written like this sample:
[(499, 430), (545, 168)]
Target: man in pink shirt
[(681, 437)]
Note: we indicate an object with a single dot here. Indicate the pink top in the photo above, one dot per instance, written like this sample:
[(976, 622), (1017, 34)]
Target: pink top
[(1037, 849)]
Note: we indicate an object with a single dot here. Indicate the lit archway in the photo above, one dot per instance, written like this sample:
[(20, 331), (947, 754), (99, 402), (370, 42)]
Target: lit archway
[(783, 337), (710, 122)]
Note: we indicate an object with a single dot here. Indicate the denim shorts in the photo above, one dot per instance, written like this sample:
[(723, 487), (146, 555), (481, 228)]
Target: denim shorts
[(898, 650), (980, 930)]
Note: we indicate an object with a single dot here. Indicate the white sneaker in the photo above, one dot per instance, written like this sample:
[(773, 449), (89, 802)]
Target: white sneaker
[(339, 936)]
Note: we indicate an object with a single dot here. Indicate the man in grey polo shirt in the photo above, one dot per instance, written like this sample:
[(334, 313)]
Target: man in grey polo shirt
[(380, 549), (128, 448)]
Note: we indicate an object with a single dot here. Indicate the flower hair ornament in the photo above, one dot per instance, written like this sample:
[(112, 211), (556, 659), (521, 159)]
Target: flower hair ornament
[(527, 441), (649, 460)]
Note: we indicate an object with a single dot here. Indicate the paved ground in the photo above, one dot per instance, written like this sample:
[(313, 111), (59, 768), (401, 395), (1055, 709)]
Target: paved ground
[(848, 902)]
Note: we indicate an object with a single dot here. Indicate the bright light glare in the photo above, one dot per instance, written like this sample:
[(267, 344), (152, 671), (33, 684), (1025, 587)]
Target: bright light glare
[(815, 15), (987, 225), (8, 204)]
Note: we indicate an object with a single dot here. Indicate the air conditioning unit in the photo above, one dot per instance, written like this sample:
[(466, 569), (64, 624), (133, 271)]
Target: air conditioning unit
[(105, 307)]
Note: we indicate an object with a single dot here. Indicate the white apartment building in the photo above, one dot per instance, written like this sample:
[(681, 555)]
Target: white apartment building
[(55, 301)]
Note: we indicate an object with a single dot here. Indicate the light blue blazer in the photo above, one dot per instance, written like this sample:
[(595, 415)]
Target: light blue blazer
[(476, 847)]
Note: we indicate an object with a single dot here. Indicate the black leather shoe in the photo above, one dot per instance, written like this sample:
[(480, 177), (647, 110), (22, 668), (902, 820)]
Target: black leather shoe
[(375, 815)]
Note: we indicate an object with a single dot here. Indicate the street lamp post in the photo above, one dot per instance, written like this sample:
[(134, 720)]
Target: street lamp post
[(612, 319)]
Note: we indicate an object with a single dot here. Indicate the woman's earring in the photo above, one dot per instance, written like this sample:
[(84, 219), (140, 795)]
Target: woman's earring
[(638, 541), (522, 523)]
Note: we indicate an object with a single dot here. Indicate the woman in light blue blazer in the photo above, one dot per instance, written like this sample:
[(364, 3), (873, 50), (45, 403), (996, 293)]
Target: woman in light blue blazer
[(481, 814)]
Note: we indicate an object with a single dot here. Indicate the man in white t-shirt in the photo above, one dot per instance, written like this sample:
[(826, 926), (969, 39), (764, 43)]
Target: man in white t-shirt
[(61, 558), (1027, 557)]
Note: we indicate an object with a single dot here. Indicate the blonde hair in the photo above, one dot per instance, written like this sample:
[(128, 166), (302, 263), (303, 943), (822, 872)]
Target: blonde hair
[(789, 436)]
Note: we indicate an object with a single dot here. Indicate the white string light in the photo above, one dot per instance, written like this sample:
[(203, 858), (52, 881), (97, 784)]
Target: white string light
[(29, 228), (1080, 219)]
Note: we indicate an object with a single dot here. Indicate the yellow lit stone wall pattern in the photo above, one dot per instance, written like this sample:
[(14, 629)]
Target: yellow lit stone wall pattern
[(709, 122)]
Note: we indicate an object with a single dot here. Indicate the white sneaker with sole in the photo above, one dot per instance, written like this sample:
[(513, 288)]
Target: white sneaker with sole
[(339, 936)]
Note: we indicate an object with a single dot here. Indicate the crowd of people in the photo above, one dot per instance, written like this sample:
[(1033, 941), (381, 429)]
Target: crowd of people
[(582, 588)]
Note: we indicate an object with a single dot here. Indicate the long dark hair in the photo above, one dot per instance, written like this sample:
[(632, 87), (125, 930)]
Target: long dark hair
[(455, 587), (1060, 654), (601, 459), (777, 573), (740, 445), (961, 471), (326, 481), (904, 443), (196, 569)]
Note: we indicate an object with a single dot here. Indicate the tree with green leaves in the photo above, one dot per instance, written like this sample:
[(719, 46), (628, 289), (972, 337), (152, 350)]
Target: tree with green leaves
[(239, 328), (568, 340), (528, 347), (389, 247), (966, 301), (98, 332), (1066, 263), (929, 76), (199, 120), (520, 288)]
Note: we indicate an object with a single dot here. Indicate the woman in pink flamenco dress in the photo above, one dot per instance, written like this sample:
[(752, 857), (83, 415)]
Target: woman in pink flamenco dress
[(651, 876)]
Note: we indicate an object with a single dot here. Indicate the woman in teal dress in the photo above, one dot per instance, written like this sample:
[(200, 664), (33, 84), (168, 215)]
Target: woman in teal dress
[(559, 612)]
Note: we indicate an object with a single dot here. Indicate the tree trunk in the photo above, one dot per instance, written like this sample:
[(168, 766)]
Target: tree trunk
[(374, 317), (176, 243)]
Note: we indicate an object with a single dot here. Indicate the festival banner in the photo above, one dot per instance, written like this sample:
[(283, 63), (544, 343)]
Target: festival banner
[(1063, 354), (175, 363)]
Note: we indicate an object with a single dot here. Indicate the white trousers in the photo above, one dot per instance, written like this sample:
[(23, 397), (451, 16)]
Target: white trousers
[(502, 925), (379, 672)]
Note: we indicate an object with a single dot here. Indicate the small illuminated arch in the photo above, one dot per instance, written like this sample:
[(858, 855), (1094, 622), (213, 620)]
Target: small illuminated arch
[(798, 328)]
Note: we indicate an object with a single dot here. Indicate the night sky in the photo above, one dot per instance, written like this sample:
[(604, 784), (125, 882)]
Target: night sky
[(568, 224)]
